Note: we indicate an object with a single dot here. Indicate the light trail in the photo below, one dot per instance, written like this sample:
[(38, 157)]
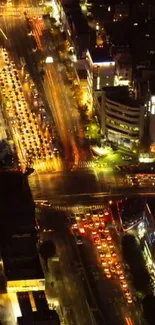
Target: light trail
[(62, 108), (3, 34), (37, 38), (60, 123), (129, 321)]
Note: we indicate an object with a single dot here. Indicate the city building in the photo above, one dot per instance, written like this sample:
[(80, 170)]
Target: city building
[(99, 11), (17, 206), (121, 11), (82, 34), (33, 309), (123, 75), (102, 66), (138, 214), (131, 212), (85, 81), (150, 104), (122, 117), (49, 317), (22, 266)]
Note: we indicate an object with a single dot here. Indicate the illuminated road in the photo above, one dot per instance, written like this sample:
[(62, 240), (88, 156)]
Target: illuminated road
[(105, 269), (70, 288), (21, 46), (62, 106), (83, 186), (81, 269)]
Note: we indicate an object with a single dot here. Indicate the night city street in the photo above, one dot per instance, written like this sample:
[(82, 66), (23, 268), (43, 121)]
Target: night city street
[(77, 162)]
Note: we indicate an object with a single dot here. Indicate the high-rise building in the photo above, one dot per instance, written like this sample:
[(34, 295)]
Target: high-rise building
[(102, 66), (18, 236), (122, 118)]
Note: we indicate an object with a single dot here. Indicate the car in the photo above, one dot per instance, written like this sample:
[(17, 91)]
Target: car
[(121, 277), (106, 213), (110, 262), (108, 275), (103, 239), (85, 225), (117, 265), (112, 269), (47, 230), (83, 218), (82, 230), (123, 284), (100, 229), (102, 254), (130, 301), (46, 204), (91, 224), (94, 232), (96, 240), (95, 213), (102, 223), (127, 293), (104, 263), (75, 226)]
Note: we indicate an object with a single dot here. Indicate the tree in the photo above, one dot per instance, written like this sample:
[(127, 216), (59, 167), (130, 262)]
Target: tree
[(47, 250)]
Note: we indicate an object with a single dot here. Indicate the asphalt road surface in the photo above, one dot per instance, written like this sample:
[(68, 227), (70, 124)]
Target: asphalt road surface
[(80, 282)]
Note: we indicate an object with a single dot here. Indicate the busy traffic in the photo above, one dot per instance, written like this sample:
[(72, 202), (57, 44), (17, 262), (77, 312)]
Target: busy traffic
[(96, 225)]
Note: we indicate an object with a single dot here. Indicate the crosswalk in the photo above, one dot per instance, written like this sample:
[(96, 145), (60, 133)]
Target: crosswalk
[(84, 164), (72, 209)]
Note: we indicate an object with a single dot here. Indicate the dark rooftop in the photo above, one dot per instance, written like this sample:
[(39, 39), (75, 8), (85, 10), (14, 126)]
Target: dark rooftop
[(132, 209), (80, 22), (16, 204), (35, 317), (120, 94), (20, 247), (24, 303), (40, 300), (100, 54), (23, 269)]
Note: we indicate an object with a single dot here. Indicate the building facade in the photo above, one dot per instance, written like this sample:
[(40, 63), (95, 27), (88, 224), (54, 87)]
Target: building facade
[(122, 119), (102, 67)]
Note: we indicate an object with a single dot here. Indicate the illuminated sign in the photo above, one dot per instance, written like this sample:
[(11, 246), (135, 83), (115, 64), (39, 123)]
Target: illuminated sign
[(49, 59), (26, 285), (105, 64)]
